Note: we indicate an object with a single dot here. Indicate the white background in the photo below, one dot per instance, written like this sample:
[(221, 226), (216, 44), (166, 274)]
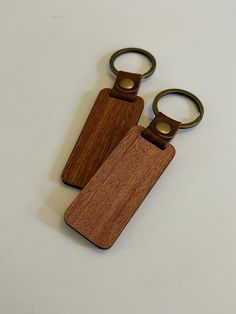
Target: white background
[(178, 254)]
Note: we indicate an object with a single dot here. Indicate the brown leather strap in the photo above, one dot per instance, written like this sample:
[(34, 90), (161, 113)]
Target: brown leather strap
[(126, 86), (161, 130)]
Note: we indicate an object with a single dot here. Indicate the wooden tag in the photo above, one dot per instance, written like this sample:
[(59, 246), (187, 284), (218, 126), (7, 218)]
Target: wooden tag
[(108, 122), (107, 203)]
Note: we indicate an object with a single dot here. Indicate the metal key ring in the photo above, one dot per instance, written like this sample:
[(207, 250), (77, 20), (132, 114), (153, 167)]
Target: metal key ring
[(137, 50), (182, 92)]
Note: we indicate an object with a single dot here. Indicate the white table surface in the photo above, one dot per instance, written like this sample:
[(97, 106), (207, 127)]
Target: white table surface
[(178, 254)]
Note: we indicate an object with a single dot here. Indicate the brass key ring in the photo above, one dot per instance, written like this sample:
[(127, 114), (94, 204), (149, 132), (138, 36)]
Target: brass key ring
[(136, 50), (182, 92)]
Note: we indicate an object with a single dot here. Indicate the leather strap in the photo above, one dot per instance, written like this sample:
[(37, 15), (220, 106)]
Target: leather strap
[(128, 94), (153, 132)]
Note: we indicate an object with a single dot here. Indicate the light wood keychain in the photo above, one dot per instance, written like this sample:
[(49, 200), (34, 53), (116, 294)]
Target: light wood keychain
[(114, 113), (107, 203)]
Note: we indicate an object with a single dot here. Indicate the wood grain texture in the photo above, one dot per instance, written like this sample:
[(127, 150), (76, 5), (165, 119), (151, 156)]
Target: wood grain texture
[(108, 122), (104, 207)]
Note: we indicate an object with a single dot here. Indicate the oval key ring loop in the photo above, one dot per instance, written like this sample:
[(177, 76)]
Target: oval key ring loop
[(137, 50), (182, 92)]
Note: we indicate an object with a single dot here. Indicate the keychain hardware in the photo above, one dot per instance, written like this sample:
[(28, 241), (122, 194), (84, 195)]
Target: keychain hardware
[(181, 92), (162, 129), (135, 50)]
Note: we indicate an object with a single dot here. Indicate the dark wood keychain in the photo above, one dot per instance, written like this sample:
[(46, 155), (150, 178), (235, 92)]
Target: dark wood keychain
[(107, 203), (114, 113)]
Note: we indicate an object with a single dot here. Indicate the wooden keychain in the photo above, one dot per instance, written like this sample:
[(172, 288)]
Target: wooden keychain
[(114, 113), (107, 203)]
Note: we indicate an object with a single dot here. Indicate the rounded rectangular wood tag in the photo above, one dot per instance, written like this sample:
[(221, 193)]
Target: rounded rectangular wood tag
[(112, 196), (107, 123)]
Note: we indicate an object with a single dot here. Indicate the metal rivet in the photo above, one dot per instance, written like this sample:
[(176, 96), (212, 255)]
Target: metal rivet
[(163, 127), (126, 83)]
